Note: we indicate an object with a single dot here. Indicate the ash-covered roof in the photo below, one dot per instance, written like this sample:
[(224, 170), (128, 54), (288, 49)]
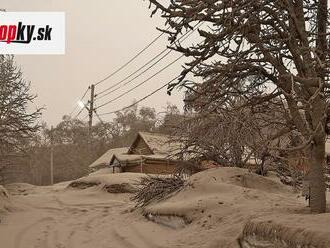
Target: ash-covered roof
[(160, 144), (133, 159), (106, 157), (127, 157)]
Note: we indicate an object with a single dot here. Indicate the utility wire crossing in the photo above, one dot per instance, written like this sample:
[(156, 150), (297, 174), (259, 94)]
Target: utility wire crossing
[(130, 61), (166, 51), (161, 56), (117, 71), (82, 98), (140, 84), (133, 58), (142, 99)]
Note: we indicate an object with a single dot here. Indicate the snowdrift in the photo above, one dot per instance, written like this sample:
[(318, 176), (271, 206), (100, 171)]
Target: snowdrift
[(218, 202), (20, 188), (223, 187), (287, 231), (102, 171), (112, 183), (240, 209)]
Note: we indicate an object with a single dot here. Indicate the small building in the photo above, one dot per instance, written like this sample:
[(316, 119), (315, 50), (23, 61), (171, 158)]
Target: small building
[(104, 161), (149, 164), (150, 153)]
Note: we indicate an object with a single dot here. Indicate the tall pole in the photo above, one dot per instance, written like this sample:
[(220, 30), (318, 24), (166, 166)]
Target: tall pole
[(91, 111), (51, 157), (90, 121)]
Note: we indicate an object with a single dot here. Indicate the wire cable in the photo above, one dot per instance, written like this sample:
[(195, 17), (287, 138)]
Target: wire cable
[(140, 74), (98, 117), (143, 82), (140, 100), (131, 60), (76, 107), (120, 68), (77, 115), (134, 57), (85, 117), (182, 38)]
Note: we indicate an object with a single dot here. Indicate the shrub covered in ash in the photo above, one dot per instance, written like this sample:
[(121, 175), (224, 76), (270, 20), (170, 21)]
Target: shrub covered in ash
[(119, 188), (156, 188), (82, 184)]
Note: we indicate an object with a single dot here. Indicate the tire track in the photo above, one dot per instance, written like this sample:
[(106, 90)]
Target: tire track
[(20, 237)]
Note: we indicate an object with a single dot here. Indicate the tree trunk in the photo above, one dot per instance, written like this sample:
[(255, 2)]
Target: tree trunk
[(317, 151), (316, 157), (316, 179)]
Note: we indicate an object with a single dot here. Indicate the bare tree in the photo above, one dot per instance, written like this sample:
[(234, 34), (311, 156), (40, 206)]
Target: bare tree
[(16, 122), (281, 45), (232, 136)]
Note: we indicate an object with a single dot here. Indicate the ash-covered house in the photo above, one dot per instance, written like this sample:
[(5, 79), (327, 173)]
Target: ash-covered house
[(150, 153), (104, 161)]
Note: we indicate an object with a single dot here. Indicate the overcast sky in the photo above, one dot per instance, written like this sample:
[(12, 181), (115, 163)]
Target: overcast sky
[(100, 36)]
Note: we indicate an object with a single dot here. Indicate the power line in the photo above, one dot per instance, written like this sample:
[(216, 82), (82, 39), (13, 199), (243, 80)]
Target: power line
[(131, 60), (85, 117), (77, 115), (182, 38), (140, 74), (134, 57), (187, 34), (118, 70), (98, 117), (76, 107), (85, 92), (140, 100), (101, 121), (143, 82)]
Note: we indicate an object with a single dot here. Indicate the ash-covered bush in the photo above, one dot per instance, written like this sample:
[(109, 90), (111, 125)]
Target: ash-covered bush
[(156, 188), (82, 184)]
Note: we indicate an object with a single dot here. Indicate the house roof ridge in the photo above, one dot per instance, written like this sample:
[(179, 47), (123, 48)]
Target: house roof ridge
[(154, 133)]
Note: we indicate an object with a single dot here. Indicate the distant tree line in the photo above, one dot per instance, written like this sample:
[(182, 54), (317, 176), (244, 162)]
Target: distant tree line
[(72, 151)]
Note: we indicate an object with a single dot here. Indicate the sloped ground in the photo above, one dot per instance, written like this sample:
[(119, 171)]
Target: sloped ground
[(63, 217), (218, 207), (111, 183), (287, 231), (220, 202)]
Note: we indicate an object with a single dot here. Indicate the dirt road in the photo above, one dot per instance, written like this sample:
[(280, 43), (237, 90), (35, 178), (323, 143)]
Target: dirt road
[(55, 217)]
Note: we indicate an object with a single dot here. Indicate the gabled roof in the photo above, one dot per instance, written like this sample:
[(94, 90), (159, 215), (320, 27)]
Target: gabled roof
[(107, 157), (126, 158), (134, 159), (157, 143)]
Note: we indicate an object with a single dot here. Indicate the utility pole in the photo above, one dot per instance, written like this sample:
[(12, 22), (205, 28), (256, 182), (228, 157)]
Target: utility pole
[(90, 121), (91, 111), (51, 157)]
